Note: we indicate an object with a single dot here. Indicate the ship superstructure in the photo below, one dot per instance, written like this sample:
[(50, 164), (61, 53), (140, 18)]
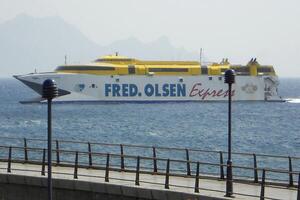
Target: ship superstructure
[(118, 78)]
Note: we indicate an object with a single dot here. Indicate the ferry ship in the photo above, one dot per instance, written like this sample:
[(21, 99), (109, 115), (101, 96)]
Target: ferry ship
[(116, 78)]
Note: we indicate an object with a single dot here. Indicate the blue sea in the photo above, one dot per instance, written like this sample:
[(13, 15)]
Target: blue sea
[(260, 127)]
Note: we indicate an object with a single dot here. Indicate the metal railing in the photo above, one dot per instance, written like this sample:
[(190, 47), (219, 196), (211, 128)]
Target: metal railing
[(149, 160)]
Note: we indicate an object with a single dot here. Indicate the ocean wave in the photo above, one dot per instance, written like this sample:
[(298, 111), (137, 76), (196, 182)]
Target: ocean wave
[(293, 100)]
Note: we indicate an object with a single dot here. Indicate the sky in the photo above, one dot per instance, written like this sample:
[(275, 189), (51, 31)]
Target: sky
[(237, 29)]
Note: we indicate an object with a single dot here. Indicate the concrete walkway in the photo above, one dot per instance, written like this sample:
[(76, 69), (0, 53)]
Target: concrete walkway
[(210, 188)]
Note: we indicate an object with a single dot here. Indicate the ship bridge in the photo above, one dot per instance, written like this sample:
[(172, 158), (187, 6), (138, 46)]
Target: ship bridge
[(121, 65)]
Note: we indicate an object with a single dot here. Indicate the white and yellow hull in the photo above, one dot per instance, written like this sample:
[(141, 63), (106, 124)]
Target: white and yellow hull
[(150, 88)]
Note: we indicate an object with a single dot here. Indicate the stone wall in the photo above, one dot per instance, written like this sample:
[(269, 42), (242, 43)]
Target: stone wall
[(17, 187)]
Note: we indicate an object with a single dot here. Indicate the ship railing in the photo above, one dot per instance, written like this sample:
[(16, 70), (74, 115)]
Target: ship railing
[(24, 151)]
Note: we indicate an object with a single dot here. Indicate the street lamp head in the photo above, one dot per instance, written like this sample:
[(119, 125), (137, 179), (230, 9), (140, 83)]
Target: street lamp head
[(50, 90), (229, 76)]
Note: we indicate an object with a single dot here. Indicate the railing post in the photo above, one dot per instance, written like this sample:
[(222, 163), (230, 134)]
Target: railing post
[(76, 166), (43, 163), (188, 166), (291, 182), (197, 178), (9, 160), (25, 150), (90, 154), (107, 169), (298, 195), (255, 168), (221, 166), (57, 152), (122, 157), (137, 176), (262, 190), (167, 175), (154, 160)]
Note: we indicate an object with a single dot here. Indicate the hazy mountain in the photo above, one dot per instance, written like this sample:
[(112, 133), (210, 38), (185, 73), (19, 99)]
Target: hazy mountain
[(159, 49), (29, 43)]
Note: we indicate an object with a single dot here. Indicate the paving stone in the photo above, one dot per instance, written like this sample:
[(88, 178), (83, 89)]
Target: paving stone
[(174, 195), (3, 178), (33, 181), (114, 189), (82, 185), (16, 179), (64, 184), (159, 194), (144, 193), (99, 188), (129, 191), (44, 182)]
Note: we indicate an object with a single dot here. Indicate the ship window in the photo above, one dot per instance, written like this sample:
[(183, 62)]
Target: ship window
[(83, 68), (241, 70), (220, 78), (264, 69), (113, 60), (168, 69), (93, 85), (210, 78), (131, 69), (204, 70)]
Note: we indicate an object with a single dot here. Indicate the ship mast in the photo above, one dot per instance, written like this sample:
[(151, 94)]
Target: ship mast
[(200, 56)]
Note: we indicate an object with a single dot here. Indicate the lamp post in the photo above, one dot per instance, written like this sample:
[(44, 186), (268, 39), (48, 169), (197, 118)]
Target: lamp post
[(229, 79), (50, 91)]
